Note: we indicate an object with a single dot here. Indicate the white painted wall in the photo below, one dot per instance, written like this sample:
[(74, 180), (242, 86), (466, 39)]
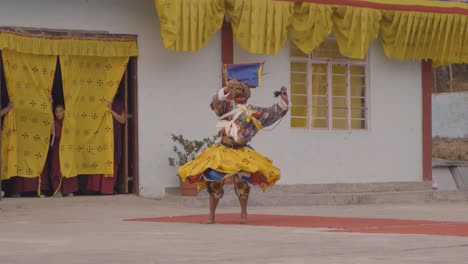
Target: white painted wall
[(390, 151), (450, 115), (173, 88), (174, 91)]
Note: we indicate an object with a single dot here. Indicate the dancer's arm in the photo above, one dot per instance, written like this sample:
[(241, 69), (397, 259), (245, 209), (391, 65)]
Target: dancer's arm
[(220, 101), (7, 109), (269, 115)]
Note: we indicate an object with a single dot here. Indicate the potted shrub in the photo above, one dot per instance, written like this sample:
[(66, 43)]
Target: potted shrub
[(186, 150)]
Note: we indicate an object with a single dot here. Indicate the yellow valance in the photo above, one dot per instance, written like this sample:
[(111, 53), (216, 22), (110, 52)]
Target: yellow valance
[(414, 29), (40, 42)]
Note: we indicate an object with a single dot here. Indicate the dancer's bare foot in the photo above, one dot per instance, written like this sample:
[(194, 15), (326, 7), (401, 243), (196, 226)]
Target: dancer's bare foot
[(211, 220), (243, 219)]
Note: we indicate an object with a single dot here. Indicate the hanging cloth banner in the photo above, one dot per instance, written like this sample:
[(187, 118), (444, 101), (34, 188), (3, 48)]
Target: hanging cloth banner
[(27, 127), (89, 86), (411, 29), (37, 41), (250, 73), (188, 25)]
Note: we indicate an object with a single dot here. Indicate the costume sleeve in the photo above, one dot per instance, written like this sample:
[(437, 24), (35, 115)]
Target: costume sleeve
[(219, 104), (267, 116)]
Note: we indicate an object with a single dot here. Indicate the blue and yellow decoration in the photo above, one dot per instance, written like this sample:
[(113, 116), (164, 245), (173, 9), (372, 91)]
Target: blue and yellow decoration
[(250, 73)]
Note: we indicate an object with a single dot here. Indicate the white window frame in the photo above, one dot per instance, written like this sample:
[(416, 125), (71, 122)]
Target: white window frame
[(330, 62)]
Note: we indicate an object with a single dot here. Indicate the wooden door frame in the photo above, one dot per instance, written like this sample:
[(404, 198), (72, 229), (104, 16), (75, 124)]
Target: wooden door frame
[(1, 123), (427, 86), (133, 80)]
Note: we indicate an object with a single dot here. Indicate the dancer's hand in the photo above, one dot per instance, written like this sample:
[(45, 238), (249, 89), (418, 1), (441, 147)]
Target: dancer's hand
[(284, 94), (229, 86)]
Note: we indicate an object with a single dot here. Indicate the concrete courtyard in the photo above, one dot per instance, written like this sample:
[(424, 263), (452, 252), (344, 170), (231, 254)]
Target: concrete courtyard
[(91, 230)]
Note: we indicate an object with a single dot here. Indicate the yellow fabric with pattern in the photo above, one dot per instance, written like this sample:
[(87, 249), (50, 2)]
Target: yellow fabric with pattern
[(188, 25), (310, 25), (260, 26), (440, 37), (228, 160), (89, 85), (27, 127), (355, 29), (72, 43)]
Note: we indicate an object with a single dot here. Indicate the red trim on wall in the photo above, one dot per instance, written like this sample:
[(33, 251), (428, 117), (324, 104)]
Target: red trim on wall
[(227, 45), (427, 83), (396, 7)]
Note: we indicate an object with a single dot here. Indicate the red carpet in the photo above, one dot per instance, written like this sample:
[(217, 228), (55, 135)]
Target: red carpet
[(336, 224)]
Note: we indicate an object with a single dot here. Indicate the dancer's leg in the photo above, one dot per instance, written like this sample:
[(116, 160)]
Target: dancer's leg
[(216, 191), (242, 189)]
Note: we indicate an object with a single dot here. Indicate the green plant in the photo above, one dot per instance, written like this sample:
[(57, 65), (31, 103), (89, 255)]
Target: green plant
[(186, 150)]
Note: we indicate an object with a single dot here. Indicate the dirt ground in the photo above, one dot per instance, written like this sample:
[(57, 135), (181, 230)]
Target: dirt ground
[(450, 148)]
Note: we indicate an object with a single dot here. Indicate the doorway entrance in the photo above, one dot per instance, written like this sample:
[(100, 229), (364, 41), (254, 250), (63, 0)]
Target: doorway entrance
[(127, 176)]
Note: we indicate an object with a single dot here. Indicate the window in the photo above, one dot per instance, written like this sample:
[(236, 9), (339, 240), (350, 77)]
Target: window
[(328, 90)]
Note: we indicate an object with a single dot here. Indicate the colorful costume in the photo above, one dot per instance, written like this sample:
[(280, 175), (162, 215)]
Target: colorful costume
[(233, 160)]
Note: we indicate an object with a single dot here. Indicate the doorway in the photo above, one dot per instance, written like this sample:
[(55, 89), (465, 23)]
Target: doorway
[(127, 176)]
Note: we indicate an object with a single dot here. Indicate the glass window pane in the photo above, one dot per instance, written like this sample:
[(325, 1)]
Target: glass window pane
[(339, 69), (340, 124), (358, 81), (298, 78), (357, 70), (358, 124), (299, 111), (339, 90), (319, 101), (319, 123), (320, 112), (339, 102), (298, 89), (298, 100), (358, 90), (359, 113), (298, 122), (319, 89), (339, 80), (319, 69), (340, 113), (319, 79), (357, 102), (299, 67)]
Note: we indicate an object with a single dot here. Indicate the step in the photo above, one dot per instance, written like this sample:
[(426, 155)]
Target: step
[(301, 199), (338, 188)]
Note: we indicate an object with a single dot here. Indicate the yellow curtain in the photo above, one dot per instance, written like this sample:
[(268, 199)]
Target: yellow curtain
[(440, 37), (188, 25), (260, 26), (49, 43), (433, 30), (89, 85), (310, 25), (355, 29), (27, 127)]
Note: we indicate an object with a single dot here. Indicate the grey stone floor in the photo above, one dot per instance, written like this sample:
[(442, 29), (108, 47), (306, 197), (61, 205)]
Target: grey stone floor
[(91, 230)]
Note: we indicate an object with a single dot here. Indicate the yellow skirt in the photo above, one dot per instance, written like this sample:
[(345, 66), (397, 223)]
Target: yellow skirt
[(230, 161)]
